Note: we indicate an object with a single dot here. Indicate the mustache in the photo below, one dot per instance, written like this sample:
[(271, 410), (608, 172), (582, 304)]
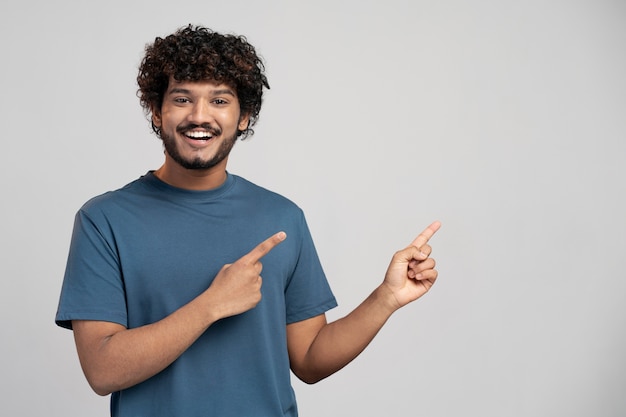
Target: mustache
[(214, 131)]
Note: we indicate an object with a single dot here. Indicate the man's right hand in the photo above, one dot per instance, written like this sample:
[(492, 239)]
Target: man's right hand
[(237, 287)]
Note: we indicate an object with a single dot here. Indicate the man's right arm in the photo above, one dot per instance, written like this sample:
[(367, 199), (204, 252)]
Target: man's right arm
[(114, 357)]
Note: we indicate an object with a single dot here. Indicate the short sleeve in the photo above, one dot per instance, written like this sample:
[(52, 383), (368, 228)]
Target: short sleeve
[(308, 293), (93, 287)]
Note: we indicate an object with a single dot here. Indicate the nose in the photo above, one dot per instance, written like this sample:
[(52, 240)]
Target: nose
[(200, 113)]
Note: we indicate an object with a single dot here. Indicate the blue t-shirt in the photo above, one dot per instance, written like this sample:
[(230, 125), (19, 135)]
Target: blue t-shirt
[(141, 252)]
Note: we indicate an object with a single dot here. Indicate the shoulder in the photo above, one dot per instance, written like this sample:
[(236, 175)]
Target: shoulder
[(131, 193), (262, 195)]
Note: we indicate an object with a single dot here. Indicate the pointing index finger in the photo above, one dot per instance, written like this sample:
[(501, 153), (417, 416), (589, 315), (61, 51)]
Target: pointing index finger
[(264, 247), (425, 236)]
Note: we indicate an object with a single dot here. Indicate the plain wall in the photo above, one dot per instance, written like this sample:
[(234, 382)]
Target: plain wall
[(506, 120)]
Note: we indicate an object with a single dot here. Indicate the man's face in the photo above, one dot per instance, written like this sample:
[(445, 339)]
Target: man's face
[(199, 122)]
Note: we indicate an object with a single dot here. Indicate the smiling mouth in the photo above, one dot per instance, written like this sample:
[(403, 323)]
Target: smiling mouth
[(196, 135)]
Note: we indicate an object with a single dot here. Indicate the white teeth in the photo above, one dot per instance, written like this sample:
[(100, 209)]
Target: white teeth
[(199, 135)]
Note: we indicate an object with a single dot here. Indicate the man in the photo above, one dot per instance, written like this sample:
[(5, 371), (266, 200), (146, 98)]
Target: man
[(163, 286)]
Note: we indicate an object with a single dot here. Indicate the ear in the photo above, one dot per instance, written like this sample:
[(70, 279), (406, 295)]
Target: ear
[(156, 117), (244, 121)]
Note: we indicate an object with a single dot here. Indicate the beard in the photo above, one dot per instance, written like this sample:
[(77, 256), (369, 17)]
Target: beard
[(197, 163)]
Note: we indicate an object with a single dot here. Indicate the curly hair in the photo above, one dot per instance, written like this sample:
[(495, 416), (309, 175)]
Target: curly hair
[(196, 53)]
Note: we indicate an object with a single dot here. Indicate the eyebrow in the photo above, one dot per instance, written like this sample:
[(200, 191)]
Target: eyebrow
[(180, 90)]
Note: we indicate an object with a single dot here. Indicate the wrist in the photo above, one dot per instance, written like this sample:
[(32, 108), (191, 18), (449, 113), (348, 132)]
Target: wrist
[(208, 308), (387, 298)]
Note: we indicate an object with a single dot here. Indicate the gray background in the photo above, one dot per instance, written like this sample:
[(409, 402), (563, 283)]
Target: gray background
[(506, 120)]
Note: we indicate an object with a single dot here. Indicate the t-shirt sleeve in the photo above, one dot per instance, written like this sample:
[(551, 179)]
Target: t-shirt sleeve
[(308, 293), (93, 287)]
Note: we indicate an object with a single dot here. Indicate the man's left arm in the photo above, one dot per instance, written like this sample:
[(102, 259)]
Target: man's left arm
[(318, 349)]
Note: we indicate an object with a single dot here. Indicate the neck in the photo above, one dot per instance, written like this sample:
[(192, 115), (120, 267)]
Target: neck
[(191, 179)]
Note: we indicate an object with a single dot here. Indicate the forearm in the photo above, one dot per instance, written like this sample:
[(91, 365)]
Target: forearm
[(318, 349), (339, 342), (115, 358)]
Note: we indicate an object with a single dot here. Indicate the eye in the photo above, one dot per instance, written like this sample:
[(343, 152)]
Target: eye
[(220, 101), (181, 100)]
